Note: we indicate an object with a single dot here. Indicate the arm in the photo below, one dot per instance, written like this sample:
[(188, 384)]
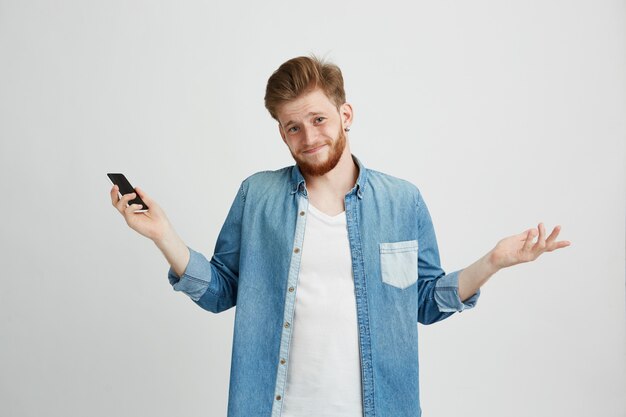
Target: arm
[(152, 224), (438, 292), (174, 250), (509, 251), (210, 284)]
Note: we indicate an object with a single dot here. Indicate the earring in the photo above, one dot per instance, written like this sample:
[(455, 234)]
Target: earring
[(347, 129)]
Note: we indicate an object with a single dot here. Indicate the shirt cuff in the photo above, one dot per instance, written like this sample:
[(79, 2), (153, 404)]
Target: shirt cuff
[(196, 277), (447, 294)]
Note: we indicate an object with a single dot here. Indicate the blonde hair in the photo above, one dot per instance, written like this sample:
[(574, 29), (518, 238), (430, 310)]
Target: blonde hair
[(300, 75)]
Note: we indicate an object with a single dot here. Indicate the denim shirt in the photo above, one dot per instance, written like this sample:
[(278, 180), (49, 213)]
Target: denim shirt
[(398, 282)]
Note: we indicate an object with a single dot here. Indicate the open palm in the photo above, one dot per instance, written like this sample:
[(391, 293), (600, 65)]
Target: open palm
[(520, 248)]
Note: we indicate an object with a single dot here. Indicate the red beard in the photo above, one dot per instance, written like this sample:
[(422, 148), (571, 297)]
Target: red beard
[(320, 168)]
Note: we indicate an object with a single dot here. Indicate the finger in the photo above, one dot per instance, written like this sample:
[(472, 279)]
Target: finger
[(121, 204), (554, 234), (150, 206), (521, 236), (130, 210), (541, 243), (558, 245), (145, 197), (114, 196), (529, 240)]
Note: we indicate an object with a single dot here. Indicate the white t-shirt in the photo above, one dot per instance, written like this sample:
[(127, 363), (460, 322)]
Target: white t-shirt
[(324, 372)]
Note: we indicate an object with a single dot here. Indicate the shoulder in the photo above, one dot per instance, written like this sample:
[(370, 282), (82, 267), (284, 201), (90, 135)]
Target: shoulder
[(266, 182), (396, 187)]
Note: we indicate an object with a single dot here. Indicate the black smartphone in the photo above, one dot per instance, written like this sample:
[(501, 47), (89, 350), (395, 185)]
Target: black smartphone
[(125, 188)]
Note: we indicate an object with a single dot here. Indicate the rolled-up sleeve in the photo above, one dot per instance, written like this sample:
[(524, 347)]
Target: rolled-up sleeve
[(447, 294), (213, 284), (196, 278), (438, 292)]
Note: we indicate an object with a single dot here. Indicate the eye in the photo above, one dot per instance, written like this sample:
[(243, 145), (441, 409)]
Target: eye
[(291, 129), (319, 119)]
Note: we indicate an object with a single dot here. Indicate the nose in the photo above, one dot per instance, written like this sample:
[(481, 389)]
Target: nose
[(309, 135)]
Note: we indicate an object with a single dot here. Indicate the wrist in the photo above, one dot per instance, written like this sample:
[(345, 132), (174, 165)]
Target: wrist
[(490, 263), (167, 239)]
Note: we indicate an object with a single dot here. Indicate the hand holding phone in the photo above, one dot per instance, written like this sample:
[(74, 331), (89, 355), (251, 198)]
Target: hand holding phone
[(152, 224), (125, 188)]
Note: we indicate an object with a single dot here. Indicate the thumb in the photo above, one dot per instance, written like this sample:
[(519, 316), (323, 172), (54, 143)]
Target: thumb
[(143, 196), (523, 235)]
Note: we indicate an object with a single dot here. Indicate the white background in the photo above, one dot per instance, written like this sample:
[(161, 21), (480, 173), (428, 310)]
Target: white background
[(503, 113)]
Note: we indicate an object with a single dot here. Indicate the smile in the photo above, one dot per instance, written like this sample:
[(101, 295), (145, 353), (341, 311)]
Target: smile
[(315, 149)]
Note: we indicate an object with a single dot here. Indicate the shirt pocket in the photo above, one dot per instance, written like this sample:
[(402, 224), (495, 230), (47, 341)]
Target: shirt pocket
[(398, 263)]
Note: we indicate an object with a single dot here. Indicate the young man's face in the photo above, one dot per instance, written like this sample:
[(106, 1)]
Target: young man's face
[(312, 128)]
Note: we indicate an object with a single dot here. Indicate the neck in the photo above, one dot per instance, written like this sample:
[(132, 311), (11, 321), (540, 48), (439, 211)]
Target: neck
[(338, 181)]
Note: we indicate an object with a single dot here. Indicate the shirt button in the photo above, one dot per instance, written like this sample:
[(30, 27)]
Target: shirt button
[(290, 289), (278, 397), (282, 361), (302, 213), (296, 250), (286, 324)]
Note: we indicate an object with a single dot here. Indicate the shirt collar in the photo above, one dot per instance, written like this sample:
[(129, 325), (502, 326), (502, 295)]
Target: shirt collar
[(299, 184)]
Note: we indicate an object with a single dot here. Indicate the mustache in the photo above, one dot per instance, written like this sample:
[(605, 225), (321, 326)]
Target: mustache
[(315, 146)]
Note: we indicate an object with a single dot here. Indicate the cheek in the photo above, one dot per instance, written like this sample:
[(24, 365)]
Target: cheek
[(291, 144), (330, 132)]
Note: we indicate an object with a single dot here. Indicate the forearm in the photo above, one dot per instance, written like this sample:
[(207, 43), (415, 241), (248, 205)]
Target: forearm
[(474, 276), (175, 251)]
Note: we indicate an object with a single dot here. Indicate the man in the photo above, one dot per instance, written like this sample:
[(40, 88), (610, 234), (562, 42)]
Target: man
[(331, 266)]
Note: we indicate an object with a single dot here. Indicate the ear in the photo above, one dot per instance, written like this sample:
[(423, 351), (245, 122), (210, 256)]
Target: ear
[(347, 115)]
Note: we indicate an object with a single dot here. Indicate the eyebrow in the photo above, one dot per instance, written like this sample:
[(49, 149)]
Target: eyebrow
[(308, 115)]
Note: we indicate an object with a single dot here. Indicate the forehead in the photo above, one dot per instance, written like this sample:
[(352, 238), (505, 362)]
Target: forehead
[(312, 102)]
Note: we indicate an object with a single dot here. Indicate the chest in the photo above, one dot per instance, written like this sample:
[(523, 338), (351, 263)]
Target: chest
[(328, 205)]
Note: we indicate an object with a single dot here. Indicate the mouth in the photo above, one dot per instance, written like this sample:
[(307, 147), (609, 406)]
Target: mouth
[(313, 150)]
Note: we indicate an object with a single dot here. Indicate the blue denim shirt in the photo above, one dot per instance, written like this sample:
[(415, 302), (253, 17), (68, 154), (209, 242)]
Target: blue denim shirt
[(398, 282)]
